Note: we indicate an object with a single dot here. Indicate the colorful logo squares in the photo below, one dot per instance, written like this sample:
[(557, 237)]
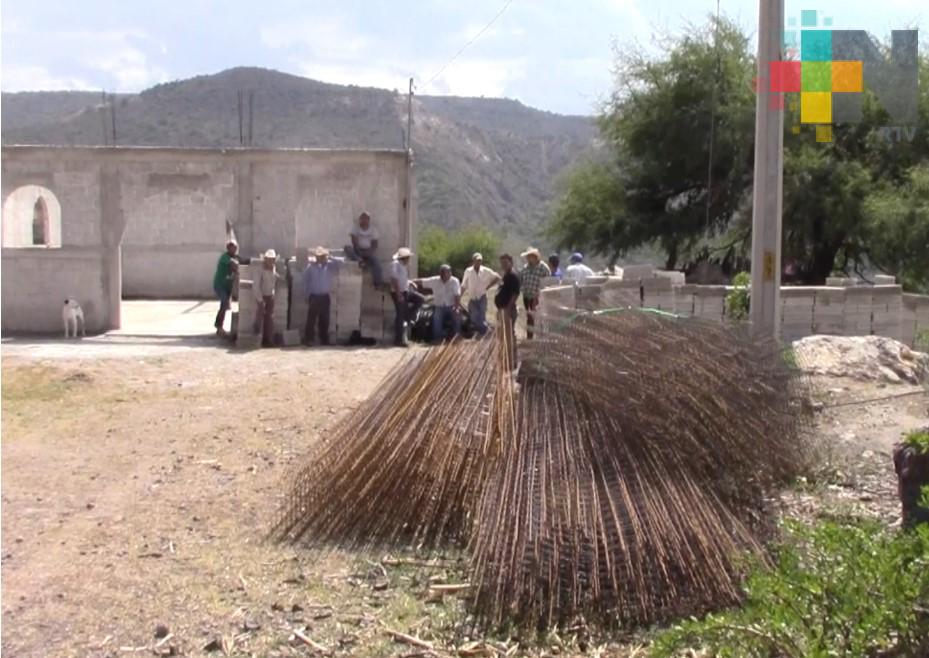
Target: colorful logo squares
[(794, 77), (816, 45), (815, 107)]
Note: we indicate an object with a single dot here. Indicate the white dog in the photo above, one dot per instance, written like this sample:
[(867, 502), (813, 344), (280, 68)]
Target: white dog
[(71, 314)]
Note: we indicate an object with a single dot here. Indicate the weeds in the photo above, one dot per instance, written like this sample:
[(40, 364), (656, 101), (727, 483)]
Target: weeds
[(837, 590)]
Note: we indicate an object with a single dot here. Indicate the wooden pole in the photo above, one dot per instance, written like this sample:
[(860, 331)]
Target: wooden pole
[(765, 313)]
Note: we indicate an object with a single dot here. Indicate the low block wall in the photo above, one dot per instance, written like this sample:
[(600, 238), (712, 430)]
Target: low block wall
[(37, 281), (882, 310)]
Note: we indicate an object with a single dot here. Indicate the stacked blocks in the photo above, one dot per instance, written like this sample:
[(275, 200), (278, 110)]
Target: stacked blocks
[(858, 311), (886, 309), (796, 312), (622, 293), (710, 302), (657, 292), (829, 311)]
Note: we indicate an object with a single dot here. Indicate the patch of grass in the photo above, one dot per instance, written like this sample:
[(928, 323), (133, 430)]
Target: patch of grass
[(918, 440), (737, 301), (839, 589), (38, 384)]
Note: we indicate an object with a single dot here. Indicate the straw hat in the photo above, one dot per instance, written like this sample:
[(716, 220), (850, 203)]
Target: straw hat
[(531, 251), (321, 251), (403, 252), (477, 256), (270, 253)]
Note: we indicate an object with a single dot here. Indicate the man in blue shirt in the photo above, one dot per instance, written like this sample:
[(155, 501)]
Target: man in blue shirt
[(317, 285)]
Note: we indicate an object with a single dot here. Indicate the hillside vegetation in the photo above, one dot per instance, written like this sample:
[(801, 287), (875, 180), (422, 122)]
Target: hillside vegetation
[(490, 162)]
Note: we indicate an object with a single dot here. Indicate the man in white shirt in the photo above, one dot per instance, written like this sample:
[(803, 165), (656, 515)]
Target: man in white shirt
[(577, 272), (446, 301), (364, 245), (475, 282)]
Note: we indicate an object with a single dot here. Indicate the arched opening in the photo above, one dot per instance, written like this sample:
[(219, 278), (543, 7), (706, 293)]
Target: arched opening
[(40, 223), (31, 218)]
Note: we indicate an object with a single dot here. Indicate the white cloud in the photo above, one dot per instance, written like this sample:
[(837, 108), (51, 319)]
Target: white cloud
[(120, 55), (478, 76), (330, 38), (28, 78)]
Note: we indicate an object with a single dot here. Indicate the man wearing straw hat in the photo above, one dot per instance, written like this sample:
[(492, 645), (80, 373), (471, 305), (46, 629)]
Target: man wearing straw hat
[(403, 297), (317, 286), (530, 281), (263, 289), (475, 282)]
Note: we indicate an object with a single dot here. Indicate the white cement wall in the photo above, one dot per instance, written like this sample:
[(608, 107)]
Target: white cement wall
[(36, 282), (163, 213)]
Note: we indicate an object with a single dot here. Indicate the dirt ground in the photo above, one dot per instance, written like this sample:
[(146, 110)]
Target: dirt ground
[(139, 478)]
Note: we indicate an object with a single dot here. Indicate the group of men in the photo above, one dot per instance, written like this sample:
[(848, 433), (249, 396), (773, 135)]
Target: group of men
[(447, 291)]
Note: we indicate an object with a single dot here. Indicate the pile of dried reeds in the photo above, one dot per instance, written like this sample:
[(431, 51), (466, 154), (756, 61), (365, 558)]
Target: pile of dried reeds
[(621, 481)]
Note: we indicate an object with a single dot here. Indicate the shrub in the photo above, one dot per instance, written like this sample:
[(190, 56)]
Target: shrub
[(737, 300), (836, 590), (921, 342), (437, 246), (918, 440)]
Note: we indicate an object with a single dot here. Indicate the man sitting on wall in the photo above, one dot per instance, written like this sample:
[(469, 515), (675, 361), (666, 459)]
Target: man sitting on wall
[(446, 301), (364, 245), (226, 269), (317, 286)]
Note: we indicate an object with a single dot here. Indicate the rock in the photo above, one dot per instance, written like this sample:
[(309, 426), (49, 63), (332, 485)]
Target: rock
[(868, 358), (251, 625), (161, 631)]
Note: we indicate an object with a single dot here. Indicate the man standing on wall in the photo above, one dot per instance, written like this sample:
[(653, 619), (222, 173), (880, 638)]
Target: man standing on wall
[(223, 279), (446, 302), (364, 247), (505, 301), (263, 289), (554, 264), (475, 282), (317, 286), (530, 281)]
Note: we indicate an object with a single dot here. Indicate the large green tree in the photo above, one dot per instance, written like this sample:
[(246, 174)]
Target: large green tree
[(676, 169)]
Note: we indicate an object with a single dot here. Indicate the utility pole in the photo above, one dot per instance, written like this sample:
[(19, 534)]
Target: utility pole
[(106, 132), (251, 114), (409, 118), (765, 311), (113, 116)]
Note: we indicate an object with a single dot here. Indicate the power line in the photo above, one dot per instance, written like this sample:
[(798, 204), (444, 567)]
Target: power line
[(472, 40)]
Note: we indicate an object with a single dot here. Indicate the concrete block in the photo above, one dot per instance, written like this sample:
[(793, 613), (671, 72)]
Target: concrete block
[(636, 271), (676, 278), (884, 279), (840, 281), (559, 296), (588, 298), (248, 341), (291, 337)]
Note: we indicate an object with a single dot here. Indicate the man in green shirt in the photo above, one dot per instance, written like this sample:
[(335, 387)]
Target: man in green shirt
[(226, 270)]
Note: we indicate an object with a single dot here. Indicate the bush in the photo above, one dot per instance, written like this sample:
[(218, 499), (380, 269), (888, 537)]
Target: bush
[(437, 246), (919, 440), (836, 590), (737, 300)]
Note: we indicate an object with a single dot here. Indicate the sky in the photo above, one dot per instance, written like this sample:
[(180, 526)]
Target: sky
[(555, 55)]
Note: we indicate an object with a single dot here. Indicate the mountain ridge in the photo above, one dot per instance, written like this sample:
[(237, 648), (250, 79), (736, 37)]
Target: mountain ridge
[(486, 161)]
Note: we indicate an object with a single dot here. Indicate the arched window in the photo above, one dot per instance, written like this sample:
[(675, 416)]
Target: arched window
[(40, 223), (31, 218)]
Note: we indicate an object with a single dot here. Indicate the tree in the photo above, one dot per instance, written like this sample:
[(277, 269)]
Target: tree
[(437, 247), (897, 224), (677, 170), (657, 125)]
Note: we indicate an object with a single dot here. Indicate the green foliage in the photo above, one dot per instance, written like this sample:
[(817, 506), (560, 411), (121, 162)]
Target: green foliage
[(898, 228), (657, 124), (919, 440), (836, 590), (437, 246), (738, 299), (921, 342), (859, 200)]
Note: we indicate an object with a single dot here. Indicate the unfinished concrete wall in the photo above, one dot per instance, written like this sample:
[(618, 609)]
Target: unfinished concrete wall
[(158, 217), (881, 310)]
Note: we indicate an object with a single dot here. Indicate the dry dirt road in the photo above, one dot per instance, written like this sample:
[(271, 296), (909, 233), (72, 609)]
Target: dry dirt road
[(138, 483)]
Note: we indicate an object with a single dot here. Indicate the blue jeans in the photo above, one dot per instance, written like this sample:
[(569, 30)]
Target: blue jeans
[(224, 299), (438, 322), (477, 311), (371, 262)]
